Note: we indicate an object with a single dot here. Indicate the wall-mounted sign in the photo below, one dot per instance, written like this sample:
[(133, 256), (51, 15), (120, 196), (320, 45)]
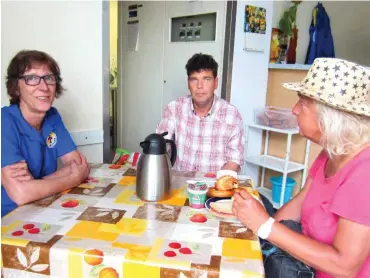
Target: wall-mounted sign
[(133, 11), (190, 28)]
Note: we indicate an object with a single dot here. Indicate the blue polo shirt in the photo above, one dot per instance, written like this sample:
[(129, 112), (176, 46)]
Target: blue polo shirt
[(40, 149)]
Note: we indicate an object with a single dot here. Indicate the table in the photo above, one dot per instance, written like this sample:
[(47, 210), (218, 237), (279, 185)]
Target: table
[(101, 229)]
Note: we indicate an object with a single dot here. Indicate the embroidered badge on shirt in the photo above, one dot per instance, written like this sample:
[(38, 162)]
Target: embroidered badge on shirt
[(51, 141)]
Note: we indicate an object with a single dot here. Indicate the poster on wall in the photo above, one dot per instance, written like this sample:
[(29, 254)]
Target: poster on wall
[(255, 20), (254, 28)]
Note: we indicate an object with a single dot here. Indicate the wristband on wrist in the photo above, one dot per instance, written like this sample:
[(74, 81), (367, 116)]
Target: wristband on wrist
[(265, 229)]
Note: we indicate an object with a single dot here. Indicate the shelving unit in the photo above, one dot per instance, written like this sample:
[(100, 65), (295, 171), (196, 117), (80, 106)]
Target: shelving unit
[(289, 66), (284, 166)]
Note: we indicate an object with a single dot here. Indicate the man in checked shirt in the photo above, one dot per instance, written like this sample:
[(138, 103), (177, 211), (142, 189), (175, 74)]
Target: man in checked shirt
[(208, 130)]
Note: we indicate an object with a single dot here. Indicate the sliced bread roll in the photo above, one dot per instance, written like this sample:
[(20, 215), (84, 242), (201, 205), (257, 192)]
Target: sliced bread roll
[(222, 209), (226, 183)]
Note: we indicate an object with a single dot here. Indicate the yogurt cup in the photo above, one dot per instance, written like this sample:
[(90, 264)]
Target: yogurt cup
[(197, 194)]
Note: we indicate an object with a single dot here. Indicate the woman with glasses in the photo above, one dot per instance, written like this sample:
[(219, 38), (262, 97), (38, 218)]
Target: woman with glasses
[(33, 136)]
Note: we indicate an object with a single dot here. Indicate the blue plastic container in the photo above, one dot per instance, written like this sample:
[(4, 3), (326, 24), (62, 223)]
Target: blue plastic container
[(277, 185)]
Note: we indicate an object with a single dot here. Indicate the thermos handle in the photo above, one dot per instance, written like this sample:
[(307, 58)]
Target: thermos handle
[(173, 151), (143, 144)]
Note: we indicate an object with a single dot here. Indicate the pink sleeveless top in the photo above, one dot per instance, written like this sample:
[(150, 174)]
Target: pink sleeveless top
[(346, 195)]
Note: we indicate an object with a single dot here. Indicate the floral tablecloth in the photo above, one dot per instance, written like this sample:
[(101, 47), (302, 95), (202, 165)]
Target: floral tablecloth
[(101, 229)]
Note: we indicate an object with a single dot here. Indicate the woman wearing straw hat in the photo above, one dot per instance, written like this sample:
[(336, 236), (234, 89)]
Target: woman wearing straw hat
[(334, 205)]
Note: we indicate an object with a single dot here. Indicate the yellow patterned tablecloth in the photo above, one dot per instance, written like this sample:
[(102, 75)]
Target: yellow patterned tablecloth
[(101, 229)]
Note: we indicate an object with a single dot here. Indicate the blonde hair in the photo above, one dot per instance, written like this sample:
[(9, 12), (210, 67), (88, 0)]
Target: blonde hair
[(342, 132)]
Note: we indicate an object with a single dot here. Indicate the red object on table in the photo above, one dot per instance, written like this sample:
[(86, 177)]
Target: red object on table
[(210, 175), (123, 159)]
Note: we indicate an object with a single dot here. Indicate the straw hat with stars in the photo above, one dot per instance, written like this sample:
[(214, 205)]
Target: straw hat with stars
[(338, 83)]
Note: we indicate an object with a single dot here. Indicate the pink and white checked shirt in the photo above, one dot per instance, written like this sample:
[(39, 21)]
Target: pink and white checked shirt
[(204, 144)]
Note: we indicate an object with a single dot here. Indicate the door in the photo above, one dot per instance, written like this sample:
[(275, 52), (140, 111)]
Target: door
[(140, 74)]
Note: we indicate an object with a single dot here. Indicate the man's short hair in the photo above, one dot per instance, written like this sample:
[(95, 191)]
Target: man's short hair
[(201, 62)]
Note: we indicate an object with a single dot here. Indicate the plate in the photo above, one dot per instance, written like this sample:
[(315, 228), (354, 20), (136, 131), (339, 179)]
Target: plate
[(216, 199), (212, 200)]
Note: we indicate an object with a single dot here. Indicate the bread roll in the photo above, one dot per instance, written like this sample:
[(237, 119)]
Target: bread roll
[(226, 183), (213, 192), (222, 209)]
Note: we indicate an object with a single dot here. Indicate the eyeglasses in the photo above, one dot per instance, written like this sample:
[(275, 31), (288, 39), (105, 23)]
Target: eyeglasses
[(34, 80)]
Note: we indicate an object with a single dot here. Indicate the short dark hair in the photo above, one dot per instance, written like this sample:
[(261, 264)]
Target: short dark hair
[(24, 60), (201, 62)]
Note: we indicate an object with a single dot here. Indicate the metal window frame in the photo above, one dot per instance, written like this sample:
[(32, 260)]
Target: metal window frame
[(107, 152)]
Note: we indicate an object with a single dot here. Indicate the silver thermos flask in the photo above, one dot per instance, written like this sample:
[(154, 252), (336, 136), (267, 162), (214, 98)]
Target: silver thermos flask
[(153, 173)]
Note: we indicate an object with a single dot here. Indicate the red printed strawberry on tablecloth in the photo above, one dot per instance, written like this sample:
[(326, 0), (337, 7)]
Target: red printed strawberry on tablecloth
[(170, 254), (28, 226), (176, 246), (31, 229), (72, 203), (17, 233), (186, 251), (198, 217)]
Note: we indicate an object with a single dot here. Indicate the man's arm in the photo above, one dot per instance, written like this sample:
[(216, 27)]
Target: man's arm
[(235, 147), (168, 121), (231, 166)]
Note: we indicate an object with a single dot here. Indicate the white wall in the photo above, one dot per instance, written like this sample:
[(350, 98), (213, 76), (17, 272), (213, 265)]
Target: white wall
[(349, 25), (249, 78), (71, 32)]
